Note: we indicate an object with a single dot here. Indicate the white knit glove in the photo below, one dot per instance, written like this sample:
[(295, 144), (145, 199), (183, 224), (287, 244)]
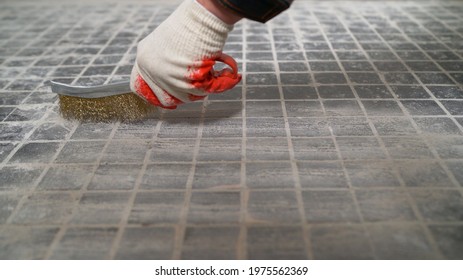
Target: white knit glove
[(174, 63)]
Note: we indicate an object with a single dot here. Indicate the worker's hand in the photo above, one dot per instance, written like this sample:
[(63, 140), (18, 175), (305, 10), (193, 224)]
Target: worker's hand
[(174, 63)]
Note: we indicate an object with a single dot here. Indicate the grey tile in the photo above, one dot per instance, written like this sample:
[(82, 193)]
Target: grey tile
[(5, 149), (26, 242), (219, 150), (408, 147), (448, 147), (324, 66), (14, 132), (350, 55), (438, 126), (146, 243), (267, 149), (382, 108), (350, 126), (12, 98), (309, 127), (422, 107), (273, 243), (218, 128), (19, 178), (92, 131), (290, 66), (393, 126), (450, 240), (365, 78), (273, 207), (400, 242), (179, 128), (51, 131), (267, 175), (260, 67), (400, 78), (357, 65), (410, 92), (453, 107), (368, 174), (356, 148), (217, 175), (303, 109), (424, 174), (165, 176), (299, 92), (35, 153), (340, 242), (342, 108), (290, 56), (329, 207), (214, 208), (261, 79), (265, 127), (384, 205), (432, 78), (321, 175), (85, 243), (422, 66), (458, 77), (256, 46), (295, 78), (320, 55), (100, 208), (330, 78), (263, 109), (455, 168), (439, 205), (259, 56), (140, 130), (446, 92), (262, 92), (373, 91), (45, 209), (8, 203), (67, 71), (125, 152), (314, 149), (381, 55), (151, 208), (5, 111), (115, 177), (332, 92), (210, 243), (80, 152), (389, 66), (226, 109), (66, 177)]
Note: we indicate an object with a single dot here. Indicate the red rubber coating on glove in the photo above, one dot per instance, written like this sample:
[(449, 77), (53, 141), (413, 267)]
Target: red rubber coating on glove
[(206, 78)]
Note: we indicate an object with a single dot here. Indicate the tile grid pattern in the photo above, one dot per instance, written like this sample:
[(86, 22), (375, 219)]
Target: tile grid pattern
[(343, 140)]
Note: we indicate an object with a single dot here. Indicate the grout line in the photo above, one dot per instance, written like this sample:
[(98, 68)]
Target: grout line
[(410, 199), (133, 193), (180, 232), (64, 227), (244, 190), (295, 171), (333, 136)]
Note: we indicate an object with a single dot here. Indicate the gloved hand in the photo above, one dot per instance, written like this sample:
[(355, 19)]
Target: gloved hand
[(174, 63)]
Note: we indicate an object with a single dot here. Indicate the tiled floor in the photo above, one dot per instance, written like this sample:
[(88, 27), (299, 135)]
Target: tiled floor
[(343, 141)]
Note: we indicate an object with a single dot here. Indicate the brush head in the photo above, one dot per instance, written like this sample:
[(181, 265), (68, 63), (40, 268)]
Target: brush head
[(126, 107)]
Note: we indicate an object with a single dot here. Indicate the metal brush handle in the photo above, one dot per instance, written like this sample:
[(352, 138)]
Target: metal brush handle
[(91, 91)]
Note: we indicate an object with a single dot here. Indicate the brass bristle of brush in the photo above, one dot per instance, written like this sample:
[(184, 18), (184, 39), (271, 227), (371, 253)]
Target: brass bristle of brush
[(126, 107)]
